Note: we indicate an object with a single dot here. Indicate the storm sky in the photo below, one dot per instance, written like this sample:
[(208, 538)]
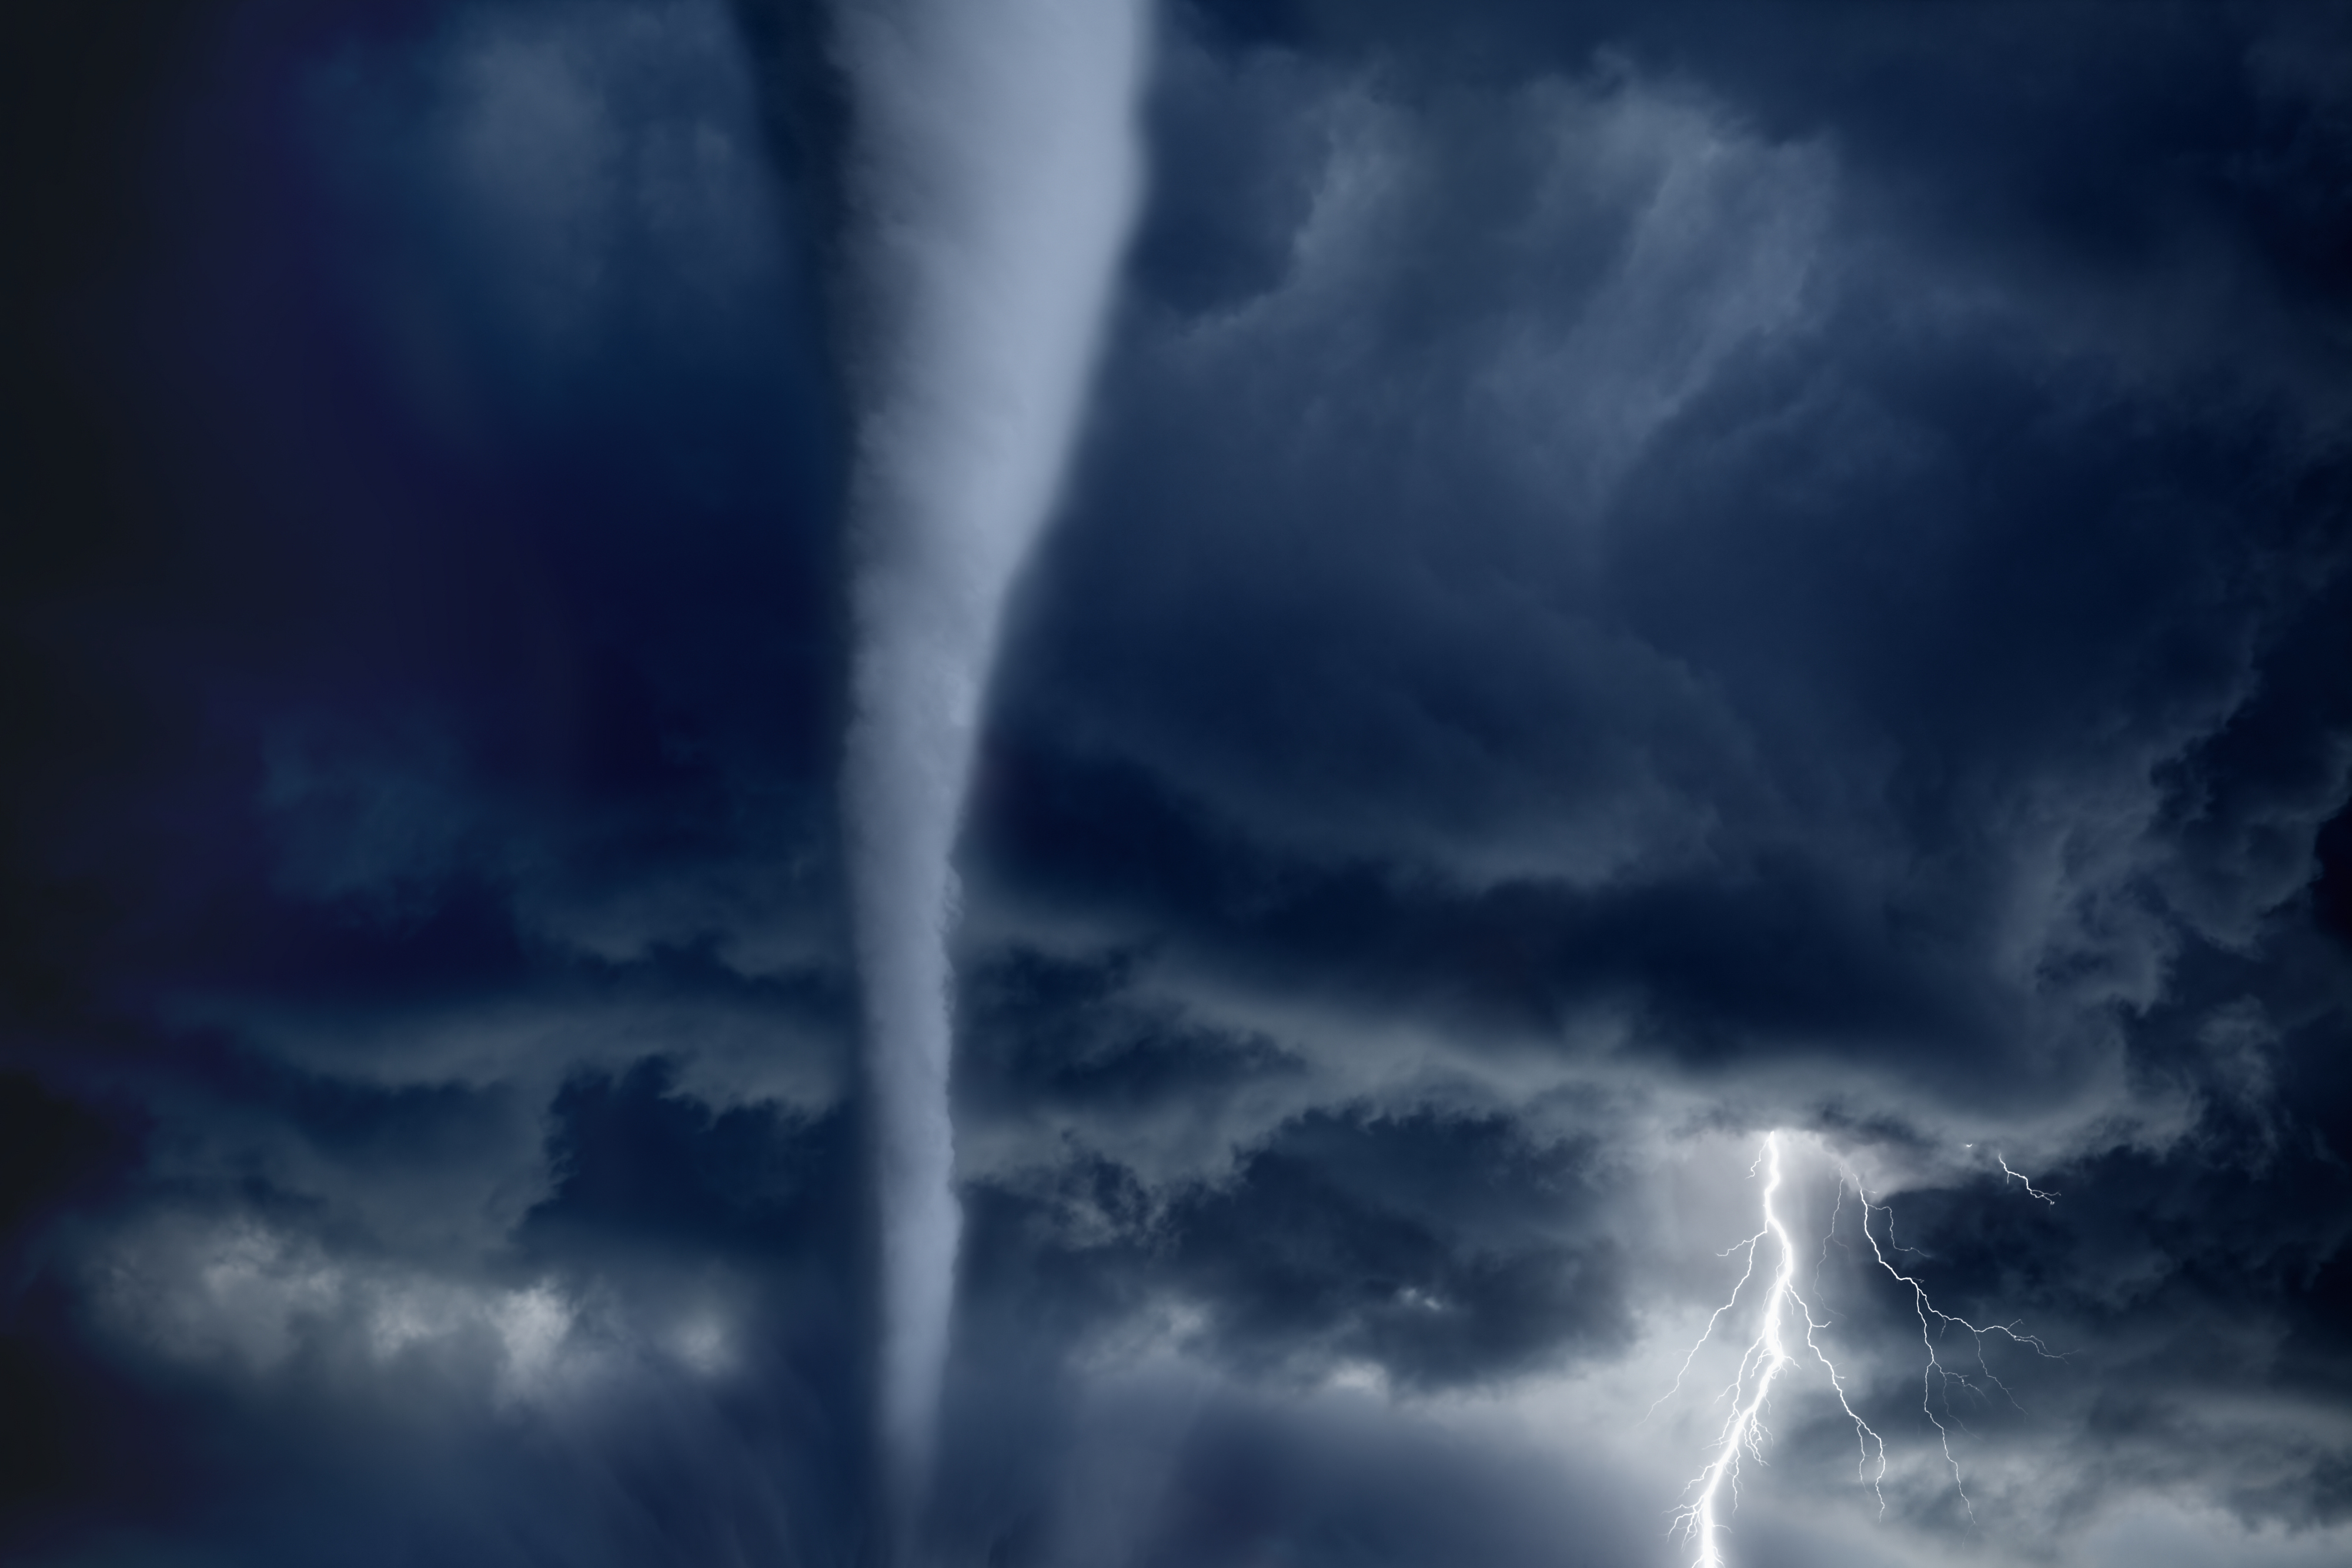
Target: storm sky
[(1629, 576)]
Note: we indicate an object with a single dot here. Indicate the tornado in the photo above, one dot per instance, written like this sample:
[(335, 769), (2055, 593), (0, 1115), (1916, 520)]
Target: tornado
[(993, 175)]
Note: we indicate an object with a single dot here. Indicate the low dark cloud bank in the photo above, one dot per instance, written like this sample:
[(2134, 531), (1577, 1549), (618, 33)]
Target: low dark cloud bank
[(1636, 575)]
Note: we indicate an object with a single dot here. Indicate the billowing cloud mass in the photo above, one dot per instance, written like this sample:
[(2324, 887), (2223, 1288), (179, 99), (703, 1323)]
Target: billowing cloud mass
[(1623, 578)]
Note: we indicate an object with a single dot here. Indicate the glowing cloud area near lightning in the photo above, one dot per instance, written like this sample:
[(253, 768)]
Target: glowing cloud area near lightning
[(1784, 1313), (1743, 1432)]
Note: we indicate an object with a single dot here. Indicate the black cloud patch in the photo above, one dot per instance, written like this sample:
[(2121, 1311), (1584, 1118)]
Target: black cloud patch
[(1437, 1249), (634, 1159), (59, 1157), (1042, 1030)]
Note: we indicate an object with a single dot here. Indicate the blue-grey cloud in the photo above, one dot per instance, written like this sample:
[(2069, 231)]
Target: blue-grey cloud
[(1631, 575)]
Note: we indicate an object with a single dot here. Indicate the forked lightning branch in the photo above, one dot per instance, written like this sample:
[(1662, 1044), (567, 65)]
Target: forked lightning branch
[(1784, 1317)]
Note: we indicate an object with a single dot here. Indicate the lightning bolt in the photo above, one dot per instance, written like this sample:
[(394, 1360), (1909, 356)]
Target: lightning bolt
[(1744, 1433), (1933, 1324), (2031, 1190)]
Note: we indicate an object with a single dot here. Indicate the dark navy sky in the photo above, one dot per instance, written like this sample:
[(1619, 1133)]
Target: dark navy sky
[(1634, 576)]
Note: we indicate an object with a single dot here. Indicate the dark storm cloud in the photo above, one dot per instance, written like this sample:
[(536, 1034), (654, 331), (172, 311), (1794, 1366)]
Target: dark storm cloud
[(1041, 1030), (443, 696), (1758, 556), (1665, 536), (1637, 574), (667, 1321), (423, 686), (1437, 1249)]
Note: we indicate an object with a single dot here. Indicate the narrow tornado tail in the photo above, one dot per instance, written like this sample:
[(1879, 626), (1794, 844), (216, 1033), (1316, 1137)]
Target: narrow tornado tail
[(993, 176)]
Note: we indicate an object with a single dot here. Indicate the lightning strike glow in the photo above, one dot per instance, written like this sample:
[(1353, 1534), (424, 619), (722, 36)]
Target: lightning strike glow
[(1744, 1433)]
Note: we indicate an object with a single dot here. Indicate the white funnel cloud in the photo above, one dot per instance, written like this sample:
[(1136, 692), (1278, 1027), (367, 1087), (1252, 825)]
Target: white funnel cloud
[(994, 175)]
